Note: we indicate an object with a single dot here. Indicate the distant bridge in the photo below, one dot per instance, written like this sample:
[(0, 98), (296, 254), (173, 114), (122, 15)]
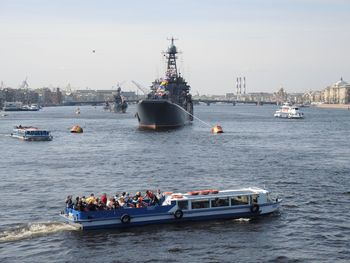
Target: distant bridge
[(234, 102), (195, 101)]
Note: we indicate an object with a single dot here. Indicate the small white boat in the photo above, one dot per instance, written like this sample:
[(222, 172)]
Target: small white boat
[(178, 207), (289, 111), (29, 133)]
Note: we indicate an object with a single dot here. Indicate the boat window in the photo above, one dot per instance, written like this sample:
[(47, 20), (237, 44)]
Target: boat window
[(183, 205), (255, 198), (217, 202), (27, 132), (198, 204), (239, 200), (220, 202)]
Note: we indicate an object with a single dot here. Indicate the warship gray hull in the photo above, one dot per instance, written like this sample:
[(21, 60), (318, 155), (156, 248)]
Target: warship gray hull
[(160, 114)]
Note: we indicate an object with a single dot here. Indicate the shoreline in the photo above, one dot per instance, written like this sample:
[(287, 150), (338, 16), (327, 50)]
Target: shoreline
[(334, 106)]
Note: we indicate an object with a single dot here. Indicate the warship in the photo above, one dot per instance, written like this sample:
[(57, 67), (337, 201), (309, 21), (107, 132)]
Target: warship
[(119, 105), (169, 104)]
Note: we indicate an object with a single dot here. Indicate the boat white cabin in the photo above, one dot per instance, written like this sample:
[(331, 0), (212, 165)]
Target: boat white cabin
[(12, 106), (289, 111), (29, 133), (178, 207)]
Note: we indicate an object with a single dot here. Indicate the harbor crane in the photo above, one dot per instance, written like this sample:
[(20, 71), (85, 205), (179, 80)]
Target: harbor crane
[(24, 84), (140, 87)]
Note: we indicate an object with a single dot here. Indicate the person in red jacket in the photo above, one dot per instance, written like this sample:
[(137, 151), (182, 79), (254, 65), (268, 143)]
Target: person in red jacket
[(104, 198)]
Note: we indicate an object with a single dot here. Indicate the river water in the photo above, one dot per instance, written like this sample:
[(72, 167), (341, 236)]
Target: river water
[(304, 162)]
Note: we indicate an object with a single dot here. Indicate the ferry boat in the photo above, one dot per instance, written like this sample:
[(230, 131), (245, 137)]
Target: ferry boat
[(178, 207), (12, 106), (18, 106), (29, 133), (289, 111)]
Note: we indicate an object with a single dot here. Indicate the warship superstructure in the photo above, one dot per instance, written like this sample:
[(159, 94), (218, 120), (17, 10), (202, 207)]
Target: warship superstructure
[(119, 105), (169, 104)]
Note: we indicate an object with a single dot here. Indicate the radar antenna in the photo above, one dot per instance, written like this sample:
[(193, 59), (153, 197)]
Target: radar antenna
[(171, 56)]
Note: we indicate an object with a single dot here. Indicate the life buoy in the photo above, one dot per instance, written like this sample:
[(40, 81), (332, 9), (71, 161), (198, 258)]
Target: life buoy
[(255, 208), (125, 219), (178, 214), (176, 196), (167, 193), (204, 192), (193, 193)]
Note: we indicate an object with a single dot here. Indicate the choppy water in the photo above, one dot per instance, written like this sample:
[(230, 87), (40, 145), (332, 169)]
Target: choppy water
[(305, 162)]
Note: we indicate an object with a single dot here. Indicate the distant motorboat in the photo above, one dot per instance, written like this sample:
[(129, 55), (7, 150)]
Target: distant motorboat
[(289, 111), (31, 107)]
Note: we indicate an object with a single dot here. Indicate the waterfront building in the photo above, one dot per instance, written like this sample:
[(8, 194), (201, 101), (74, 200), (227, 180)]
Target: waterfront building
[(280, 96), (312, 97), (338, 93)]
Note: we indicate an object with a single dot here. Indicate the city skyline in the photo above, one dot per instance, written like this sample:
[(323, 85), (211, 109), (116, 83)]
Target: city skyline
[(299, 45)]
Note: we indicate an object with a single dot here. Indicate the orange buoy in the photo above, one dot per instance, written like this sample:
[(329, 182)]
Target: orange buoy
[(167, 193), (217, 129), (76, 129)]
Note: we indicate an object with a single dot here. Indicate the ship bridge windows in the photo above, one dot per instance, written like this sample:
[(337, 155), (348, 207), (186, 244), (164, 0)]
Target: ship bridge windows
[(218, 202), (199, 204), (183, 205), (239, 200)]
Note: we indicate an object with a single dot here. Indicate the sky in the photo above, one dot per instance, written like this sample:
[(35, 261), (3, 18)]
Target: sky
[(300, 45)]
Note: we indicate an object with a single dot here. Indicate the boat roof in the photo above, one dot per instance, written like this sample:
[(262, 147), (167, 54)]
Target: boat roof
[(222, 193), (28, 128)]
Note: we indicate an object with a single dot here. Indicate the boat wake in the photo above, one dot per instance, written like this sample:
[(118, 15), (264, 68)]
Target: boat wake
[(242, 220), (33, 230)]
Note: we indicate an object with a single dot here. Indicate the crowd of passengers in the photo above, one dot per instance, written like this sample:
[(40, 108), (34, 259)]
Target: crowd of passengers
[(93, 203)]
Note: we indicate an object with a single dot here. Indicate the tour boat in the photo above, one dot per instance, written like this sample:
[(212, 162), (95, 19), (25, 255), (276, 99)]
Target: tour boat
[(29, 133), (178, 207), (289, 111)]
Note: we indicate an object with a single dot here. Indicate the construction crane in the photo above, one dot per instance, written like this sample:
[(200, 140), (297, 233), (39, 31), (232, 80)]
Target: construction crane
[(140, 87), (24, 84)]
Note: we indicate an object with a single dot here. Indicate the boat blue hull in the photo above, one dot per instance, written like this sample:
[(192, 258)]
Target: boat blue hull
[(173, 221), (159, 215)]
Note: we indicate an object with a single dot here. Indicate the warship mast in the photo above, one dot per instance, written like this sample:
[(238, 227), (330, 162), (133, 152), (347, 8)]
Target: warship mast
[(171, 56)]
